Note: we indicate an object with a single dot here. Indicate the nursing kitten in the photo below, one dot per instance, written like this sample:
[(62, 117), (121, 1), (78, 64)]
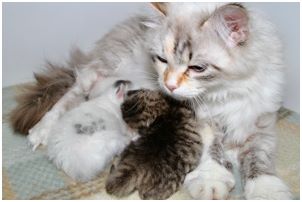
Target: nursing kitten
[(168, 146), (87, 137)]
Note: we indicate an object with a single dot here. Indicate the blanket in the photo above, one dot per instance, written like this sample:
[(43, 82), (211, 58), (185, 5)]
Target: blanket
[(30, 175)]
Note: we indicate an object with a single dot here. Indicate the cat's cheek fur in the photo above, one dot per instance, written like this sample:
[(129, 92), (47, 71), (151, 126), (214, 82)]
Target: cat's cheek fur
[(266, 187)]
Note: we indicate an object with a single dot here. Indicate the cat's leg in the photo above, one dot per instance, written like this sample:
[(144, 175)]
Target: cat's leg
[(84, 82), (257, 169), (212, 179)]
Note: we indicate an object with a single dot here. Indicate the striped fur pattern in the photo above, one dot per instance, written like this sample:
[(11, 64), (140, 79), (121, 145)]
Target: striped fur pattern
[(167, 149)]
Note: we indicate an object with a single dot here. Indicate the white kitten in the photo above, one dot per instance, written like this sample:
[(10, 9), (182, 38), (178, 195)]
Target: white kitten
[(87, 137)]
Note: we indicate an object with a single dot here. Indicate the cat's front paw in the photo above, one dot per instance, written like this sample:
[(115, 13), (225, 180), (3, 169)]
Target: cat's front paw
[(266, 187), (38, 135), (210, 181)]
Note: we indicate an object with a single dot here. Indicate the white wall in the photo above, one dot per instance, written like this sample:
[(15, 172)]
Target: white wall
[(286, 17), (33, 32)]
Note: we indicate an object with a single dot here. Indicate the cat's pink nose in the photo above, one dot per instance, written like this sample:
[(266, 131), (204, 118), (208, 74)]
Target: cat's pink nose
[(171, 87)]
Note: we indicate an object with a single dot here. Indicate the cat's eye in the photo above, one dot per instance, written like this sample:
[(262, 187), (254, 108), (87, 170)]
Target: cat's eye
[(198, 68), (161, 59)]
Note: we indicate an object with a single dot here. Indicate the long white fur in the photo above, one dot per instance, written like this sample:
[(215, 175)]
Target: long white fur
[(84, 156)]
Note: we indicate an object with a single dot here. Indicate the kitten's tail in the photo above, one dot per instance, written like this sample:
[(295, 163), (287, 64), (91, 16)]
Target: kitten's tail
[(35, 99), (122, 181)]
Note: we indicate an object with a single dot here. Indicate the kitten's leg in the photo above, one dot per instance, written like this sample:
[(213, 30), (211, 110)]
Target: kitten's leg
[(122, 179), (212, 179), (39, 133), (257, 169)]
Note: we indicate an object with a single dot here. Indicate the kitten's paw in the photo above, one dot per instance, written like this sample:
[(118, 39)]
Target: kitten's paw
[(267, 187), (120, 182), (210, 181), (38, 135)]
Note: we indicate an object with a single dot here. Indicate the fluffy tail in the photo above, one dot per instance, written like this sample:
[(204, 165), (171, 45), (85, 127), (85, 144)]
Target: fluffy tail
[(34, 100), (121, 181)]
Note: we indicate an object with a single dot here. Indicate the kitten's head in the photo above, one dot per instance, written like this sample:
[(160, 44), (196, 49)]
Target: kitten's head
[(193, 46)]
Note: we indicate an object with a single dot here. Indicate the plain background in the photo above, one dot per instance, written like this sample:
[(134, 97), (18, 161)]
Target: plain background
[(33, 32)]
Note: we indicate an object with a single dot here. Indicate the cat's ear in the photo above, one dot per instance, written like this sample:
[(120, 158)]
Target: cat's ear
[(231, 23), (160, 7)]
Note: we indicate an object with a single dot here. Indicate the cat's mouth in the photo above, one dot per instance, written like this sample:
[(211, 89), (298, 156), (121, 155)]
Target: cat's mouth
[(184, 95)]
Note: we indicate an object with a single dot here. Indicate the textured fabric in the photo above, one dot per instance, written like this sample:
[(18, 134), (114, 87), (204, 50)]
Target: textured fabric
[(30, 175)]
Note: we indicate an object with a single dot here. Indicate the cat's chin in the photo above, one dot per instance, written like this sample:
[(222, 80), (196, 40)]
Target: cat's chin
[(175, 96), (179, 96)]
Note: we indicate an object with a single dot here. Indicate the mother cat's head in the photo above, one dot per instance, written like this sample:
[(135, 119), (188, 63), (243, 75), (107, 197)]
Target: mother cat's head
[(209, 47)]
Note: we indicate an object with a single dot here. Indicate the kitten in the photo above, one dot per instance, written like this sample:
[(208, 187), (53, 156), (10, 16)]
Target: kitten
[(168, 146), (87, 137)]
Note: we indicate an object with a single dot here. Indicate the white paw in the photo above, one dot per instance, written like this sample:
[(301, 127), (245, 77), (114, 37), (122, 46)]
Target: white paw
[(38, 135), (209, 181), (267, 187)]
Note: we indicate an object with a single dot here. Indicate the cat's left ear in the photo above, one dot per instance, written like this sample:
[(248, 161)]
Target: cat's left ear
[(160, 7), (231, 23)]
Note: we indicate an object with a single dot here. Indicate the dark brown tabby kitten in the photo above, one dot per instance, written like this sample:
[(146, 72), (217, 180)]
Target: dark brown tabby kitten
[(168, 146)]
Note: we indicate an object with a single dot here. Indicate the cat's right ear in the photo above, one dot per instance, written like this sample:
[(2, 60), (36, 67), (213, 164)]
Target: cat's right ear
[(161, 7), (231, 22)]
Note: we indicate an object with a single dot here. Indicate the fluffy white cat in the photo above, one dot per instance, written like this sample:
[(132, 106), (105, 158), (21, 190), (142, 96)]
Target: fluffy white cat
[(86, 138)]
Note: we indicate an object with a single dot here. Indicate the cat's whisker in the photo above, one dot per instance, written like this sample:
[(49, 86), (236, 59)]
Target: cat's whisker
[(202, 103)]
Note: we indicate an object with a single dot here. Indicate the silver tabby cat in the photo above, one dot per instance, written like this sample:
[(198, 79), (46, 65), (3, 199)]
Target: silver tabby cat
[(223, 57)]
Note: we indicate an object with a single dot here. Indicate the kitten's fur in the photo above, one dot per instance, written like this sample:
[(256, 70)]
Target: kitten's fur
[(168, 148), (87, 137), (225, 52)]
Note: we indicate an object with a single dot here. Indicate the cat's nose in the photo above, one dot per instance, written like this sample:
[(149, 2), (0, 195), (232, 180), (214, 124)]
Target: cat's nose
[(171, 87)]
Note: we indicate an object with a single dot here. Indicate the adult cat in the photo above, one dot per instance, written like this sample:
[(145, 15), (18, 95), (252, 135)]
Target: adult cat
[(222, 56)]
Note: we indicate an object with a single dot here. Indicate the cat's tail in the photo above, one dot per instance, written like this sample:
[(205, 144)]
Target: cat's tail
[(122, 181), (35, 99)]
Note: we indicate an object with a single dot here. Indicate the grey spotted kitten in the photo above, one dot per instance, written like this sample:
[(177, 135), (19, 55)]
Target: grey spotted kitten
[(168, 146), (85, 140)]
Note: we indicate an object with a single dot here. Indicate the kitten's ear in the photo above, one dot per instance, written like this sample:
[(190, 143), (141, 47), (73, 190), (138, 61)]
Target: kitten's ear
[(231, 23), (160, 6)]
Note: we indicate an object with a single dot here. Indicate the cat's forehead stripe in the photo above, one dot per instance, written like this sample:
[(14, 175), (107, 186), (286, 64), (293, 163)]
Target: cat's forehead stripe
[(176, 45)]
